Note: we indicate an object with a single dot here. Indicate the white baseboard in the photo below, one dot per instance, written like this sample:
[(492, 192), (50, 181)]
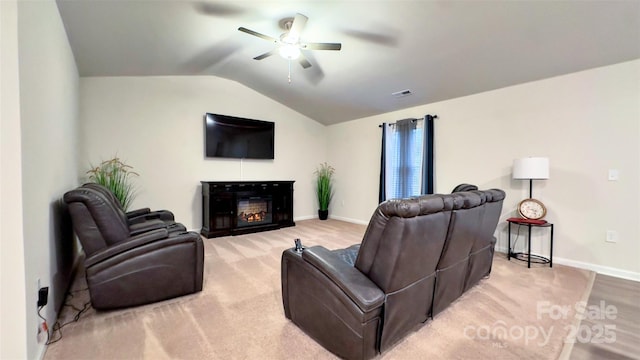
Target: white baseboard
[(349, 220), (605, 270), (353, 221), (307, 217), (42, 348)]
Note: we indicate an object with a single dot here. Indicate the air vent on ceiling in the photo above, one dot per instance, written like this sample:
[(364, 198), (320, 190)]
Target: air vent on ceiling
[(401, 93)]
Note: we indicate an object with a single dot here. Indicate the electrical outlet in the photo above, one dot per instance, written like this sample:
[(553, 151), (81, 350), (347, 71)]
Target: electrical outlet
[(43, 296), (612, 236)]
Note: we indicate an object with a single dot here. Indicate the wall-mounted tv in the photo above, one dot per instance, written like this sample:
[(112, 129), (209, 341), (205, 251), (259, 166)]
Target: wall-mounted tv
[(235, 137)]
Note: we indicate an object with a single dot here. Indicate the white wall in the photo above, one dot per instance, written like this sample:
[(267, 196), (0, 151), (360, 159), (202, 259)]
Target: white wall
[(49, 85), (156, 125), (13, 341), (586, 123)]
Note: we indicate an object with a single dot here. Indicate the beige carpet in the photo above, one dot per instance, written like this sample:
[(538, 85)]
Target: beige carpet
[(239, 315)]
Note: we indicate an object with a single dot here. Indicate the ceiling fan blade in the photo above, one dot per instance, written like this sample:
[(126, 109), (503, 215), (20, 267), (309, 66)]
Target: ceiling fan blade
[(304, 62), (313, 74), (322, 46), (373, 37), (254, 33), (265, 55), (218, 9), (210, 57), (299, 21)]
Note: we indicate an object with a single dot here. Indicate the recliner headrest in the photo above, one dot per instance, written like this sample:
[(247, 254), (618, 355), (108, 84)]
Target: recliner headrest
[(464, 187), (419, 205), (467, 200)]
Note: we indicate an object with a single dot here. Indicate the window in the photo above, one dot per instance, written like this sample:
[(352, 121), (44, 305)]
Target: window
[(404, 161), (407, 158)]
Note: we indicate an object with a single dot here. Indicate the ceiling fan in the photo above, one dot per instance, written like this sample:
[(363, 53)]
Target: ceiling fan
[(288, 44)]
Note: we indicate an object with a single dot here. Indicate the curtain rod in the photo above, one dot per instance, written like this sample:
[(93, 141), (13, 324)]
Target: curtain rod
[(414, 119)]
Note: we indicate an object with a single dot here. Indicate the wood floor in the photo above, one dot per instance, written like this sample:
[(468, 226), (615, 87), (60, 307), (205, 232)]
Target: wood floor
[(610, 328)]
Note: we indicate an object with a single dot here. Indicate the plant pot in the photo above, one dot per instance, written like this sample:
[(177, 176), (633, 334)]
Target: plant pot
[(323, 214)]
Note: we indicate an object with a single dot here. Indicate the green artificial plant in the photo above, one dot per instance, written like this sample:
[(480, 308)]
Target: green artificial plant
[(115, 175), (324, 188)]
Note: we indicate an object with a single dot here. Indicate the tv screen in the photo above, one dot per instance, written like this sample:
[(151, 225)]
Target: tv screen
[(235, 137)]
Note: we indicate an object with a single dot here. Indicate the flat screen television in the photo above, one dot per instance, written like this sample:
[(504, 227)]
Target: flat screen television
[(235, 137)]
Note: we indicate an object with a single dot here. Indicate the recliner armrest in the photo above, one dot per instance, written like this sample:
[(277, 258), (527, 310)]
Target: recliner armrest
[(355, 284), (142, 227), (138, 212), (135, 217), (133, 242)]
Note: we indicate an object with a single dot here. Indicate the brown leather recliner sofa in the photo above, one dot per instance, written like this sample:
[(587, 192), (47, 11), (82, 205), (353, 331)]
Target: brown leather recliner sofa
[(128, 264), (417, 256)]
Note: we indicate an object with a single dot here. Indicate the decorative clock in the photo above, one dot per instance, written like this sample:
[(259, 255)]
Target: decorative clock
[(532, 209)]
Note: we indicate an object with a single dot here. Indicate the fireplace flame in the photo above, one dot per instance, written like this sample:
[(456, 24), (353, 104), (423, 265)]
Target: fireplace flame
[(253, 217)]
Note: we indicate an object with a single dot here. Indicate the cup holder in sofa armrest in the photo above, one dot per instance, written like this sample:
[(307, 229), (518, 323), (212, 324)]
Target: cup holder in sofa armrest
[(355, 284)]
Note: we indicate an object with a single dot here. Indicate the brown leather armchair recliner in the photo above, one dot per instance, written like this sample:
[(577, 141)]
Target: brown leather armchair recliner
[(128, 265), (417, 256)]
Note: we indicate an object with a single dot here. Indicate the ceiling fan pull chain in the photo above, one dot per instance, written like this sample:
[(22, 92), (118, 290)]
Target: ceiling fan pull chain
[(289, 76)]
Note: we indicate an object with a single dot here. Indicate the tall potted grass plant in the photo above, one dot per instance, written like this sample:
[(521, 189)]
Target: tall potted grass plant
[(324, 189), (115, 175)]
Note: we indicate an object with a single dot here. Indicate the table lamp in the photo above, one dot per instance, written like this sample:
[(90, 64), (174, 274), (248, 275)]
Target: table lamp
[(531, 168)]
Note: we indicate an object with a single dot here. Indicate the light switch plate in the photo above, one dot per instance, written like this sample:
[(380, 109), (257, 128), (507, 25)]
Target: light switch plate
[(613, 175)]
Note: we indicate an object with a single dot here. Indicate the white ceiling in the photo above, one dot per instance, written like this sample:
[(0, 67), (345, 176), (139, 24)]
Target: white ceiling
[(438, 49)]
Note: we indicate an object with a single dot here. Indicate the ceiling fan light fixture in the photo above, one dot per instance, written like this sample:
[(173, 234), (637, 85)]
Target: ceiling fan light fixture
[(289, 52), (288, 45)]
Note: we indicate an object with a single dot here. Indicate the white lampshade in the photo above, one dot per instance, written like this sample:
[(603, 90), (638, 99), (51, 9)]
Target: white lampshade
[(531, 168)]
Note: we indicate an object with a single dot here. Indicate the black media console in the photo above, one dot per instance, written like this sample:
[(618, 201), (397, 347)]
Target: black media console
[(242, 207)]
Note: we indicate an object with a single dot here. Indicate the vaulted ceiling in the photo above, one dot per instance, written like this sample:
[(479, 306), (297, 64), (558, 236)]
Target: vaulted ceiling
[(437, 49)]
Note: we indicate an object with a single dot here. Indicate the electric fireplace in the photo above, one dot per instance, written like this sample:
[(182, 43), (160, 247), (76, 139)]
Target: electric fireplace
[(241, 207)]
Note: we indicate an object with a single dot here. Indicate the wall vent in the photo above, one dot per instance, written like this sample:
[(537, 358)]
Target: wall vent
[(401, 93)]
